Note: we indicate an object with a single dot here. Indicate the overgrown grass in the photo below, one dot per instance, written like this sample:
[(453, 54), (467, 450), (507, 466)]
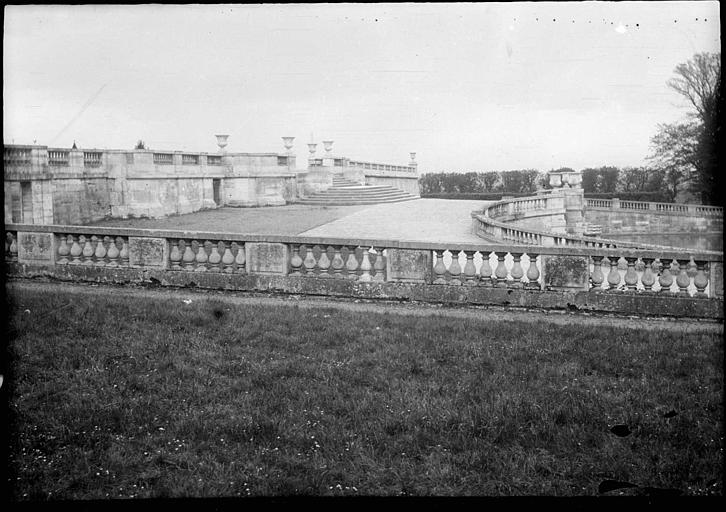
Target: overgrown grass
[(119, 397)]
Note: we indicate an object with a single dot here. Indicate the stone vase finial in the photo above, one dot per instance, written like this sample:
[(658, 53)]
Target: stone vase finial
[(288, 142), (328, 144), (312, 148), (413, 158), (222, 142)]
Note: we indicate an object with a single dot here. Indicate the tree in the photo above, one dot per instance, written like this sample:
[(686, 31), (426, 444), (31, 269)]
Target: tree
[(675, 154), (687, 151)]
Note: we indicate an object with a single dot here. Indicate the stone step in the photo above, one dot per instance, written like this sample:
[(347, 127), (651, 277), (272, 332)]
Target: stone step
[(370, 193), (353, 202), (367, 197)]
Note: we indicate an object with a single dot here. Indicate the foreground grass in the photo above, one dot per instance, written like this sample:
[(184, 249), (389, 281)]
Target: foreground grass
[(119, 397)]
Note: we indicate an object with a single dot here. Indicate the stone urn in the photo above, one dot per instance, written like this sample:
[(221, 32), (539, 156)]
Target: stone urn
[(312, 148), (555, 179), (574, 179), (288, 142), (413, 157), (328, 144), (222, 142)]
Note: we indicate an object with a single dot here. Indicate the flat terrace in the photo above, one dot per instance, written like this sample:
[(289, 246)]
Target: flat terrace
[(428, 220)]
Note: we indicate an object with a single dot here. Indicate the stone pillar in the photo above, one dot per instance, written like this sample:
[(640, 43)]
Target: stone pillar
[(566, 273), (409, 265), (574, 211)]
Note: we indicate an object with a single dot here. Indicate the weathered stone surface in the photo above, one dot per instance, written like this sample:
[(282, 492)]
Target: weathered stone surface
[(148, 252), (620, 303), (37, 248), (566, 272), (716, 280), (409, 265), (266, 258)]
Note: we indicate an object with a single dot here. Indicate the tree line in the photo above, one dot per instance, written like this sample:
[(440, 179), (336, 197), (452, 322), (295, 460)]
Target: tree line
[(634, 183), (683, 155)]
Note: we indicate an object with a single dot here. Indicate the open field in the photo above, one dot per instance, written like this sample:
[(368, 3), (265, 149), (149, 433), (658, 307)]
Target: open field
[(136, 395)]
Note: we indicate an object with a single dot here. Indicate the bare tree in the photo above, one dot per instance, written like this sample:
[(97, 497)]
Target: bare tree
[(698, 81), (687, 152)]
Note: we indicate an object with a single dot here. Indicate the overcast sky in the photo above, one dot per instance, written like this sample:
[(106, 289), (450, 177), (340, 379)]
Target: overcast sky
[(469, 87)]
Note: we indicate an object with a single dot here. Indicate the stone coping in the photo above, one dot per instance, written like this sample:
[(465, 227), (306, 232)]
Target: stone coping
[(651, 252), (712, 211)]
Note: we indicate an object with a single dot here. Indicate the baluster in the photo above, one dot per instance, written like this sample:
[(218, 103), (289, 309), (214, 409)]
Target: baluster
[(63, 250), (76, 251), (532, 272), (351, 264), (683, 280), (337, 264), (597, 277), (517, 271), (240, 258), (175, 255), (87, 251), (501, 271), (188, 257), (365, 267), (295, 261), (631, 277), (379, 266), (439, 268), (201, 258), (700, 280), (13, 247), (309, 261), (485, 272), (648, 278), (100, 252), (215, 258), (324, 263), (124, 253), (613, 275), (455, 269), (470, 269), (666, 278), (112, 253)]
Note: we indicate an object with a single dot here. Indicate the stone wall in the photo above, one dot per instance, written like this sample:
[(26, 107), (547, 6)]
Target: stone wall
[(407, 184), (623, 281), (72, 186), (651, 221)]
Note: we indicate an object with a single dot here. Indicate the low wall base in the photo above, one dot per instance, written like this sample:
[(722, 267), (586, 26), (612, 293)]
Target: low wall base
[(625, 303)]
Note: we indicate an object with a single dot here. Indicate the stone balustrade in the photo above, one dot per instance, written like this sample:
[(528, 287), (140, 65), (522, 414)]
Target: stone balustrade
[(94, 250), (58, 157), (597, 277), (488, 228), (92, 158), (650, 207), (206, 256), (352, 262), (17, 155)]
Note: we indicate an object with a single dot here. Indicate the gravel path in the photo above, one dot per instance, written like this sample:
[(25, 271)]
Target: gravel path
[(490, 313)]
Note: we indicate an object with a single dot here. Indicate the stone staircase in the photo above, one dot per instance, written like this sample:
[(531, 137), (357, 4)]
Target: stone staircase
[(347, 193)]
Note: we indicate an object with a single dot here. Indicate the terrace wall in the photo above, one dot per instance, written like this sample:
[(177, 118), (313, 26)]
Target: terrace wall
[(609, 279)]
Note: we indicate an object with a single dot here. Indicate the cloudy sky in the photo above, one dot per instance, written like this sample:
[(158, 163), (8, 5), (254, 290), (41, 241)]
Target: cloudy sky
[(467, 86)]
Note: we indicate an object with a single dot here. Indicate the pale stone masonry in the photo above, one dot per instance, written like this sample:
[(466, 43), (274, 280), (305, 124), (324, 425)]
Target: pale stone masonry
[(75, 186)]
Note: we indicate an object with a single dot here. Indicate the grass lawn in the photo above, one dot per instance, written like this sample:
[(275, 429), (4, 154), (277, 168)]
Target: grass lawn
[(141, 397), (281, 220)]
